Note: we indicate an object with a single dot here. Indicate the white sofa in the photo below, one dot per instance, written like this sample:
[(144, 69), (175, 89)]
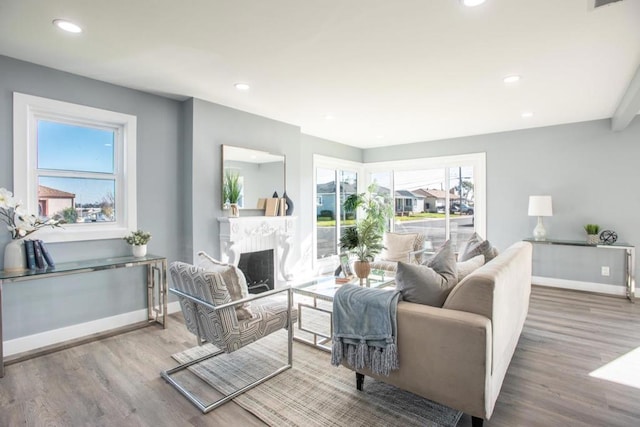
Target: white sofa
[(458, 354)]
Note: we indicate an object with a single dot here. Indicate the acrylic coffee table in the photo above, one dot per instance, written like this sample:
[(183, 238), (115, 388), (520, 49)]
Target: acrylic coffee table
[(315, 301)]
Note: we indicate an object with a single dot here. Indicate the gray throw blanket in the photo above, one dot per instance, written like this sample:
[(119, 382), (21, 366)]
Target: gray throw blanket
[(364, 328)]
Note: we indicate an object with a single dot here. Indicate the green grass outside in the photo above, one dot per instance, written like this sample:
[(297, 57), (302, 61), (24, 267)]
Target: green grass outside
[(323, 222)]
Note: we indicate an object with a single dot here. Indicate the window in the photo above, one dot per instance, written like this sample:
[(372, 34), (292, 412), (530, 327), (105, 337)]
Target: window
[(441, 197), (335, 180), (77, 163)]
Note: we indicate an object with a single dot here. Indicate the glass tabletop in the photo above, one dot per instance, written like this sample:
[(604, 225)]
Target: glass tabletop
[(621, 245), (80, 266), (326, 287)]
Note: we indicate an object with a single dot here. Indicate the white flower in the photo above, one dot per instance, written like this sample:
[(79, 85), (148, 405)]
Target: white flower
[(6, 199), (19, 222)]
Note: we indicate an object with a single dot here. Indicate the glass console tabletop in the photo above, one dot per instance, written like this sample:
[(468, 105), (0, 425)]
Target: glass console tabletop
[(78, 267)]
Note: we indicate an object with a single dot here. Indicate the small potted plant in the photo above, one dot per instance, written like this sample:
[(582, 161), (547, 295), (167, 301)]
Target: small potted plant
[(364, 239), (231, 192), (138, 241), (592, 233)]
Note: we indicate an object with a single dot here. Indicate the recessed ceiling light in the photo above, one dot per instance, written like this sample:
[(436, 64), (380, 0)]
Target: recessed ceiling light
[(472, 3), (512, 79), (242, 86), (380, 136), (526, 114), (329, 117), (68, 26)]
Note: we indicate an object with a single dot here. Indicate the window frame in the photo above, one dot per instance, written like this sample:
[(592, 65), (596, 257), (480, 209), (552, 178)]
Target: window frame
[(477, 160), (27, 110), (325, 162)]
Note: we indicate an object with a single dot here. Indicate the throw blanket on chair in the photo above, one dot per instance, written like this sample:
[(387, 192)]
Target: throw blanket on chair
[(364, 328)]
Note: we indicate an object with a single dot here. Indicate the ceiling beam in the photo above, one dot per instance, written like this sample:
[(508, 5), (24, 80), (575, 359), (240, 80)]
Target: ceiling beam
[(629, 106)]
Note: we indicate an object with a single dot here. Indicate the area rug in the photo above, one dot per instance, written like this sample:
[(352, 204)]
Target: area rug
[(312, 393)]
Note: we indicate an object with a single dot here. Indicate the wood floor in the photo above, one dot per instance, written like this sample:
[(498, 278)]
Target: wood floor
[(115, 381)]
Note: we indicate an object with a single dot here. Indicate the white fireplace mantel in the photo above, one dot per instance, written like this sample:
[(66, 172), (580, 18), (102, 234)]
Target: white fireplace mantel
[(240, 235)]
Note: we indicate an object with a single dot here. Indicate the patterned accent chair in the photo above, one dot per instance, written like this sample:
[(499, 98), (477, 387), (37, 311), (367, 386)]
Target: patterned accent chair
[(210, 314)]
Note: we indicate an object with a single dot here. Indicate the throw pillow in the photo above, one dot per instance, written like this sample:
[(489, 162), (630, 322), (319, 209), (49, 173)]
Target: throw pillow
[(475, 246), (431, 283), (397, 246), (234, 279), (465, 268)]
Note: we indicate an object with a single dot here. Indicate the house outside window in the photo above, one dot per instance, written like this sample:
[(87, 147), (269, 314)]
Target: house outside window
[(75, 163)]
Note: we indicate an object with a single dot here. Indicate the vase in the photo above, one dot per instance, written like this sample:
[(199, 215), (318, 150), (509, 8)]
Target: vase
[(593, 239), (289, 210), (15, 256), (234, 212), (139, 250), (362, 269)]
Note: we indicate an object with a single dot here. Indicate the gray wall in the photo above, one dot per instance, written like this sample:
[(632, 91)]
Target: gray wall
[(39, 305), (590, 171), (212, 126)]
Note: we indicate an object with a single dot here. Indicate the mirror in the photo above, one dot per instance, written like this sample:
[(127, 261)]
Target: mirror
[(259, 174)]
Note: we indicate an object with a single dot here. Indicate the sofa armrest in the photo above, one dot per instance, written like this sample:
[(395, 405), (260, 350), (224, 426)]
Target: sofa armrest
[(445, 356)]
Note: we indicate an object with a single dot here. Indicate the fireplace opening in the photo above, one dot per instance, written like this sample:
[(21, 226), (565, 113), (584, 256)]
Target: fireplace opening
[(259, 270)]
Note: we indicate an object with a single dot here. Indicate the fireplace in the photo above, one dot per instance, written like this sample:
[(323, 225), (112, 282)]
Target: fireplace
[(251, 234), (258, 268)]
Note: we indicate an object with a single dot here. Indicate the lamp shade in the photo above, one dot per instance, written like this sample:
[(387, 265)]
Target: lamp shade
[(540, 206)]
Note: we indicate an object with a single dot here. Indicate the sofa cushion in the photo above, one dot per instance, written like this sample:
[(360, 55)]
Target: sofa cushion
[(234, 279), (469, 266), (475, 246), (397, 246), (431, 283)]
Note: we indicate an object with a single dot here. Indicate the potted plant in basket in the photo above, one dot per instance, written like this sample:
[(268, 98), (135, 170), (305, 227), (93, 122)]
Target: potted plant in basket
[(364, 239), (231, 191), (138, 241), (592, 233)]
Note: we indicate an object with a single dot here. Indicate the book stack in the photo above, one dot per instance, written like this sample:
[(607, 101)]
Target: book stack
[(38, 257)]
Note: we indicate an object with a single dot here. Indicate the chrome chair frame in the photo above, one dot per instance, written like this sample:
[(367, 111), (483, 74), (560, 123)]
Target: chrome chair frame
[(191, 396)]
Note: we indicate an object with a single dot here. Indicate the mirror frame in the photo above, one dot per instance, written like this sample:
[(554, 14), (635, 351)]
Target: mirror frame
[(226, 152)]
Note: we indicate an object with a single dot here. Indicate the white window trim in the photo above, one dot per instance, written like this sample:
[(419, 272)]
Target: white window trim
[(26, 109)]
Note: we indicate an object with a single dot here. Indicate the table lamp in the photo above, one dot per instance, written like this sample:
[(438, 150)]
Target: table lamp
[(540, 206)]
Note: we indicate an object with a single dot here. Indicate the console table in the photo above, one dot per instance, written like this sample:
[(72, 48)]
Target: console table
[(156, 279), (629, 251)]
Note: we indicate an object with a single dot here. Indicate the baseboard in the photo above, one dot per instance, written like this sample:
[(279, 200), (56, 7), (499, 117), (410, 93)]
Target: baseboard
[(600, 288), (68, 333)]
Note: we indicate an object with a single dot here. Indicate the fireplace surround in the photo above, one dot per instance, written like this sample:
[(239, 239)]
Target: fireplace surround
[(244, 235)]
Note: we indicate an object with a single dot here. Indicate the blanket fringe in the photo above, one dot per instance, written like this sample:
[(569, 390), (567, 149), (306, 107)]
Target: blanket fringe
[(351, 354), (336, 351), (389, 359), (362, 355)]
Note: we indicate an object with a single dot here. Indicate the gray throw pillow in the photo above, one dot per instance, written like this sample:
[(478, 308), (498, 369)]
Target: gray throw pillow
[(475, 246), (431, 283), (467, 267)]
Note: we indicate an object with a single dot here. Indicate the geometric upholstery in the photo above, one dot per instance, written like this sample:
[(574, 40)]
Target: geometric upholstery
[(222, 327), (210, 314)]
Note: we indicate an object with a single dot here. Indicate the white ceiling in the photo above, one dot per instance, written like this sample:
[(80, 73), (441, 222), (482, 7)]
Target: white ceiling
[(389, 72)]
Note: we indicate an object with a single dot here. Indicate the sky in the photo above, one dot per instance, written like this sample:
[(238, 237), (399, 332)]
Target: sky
[(77, 148)]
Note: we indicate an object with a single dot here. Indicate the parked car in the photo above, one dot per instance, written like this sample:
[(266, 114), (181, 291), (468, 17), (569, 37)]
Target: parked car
[(461, 209)]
